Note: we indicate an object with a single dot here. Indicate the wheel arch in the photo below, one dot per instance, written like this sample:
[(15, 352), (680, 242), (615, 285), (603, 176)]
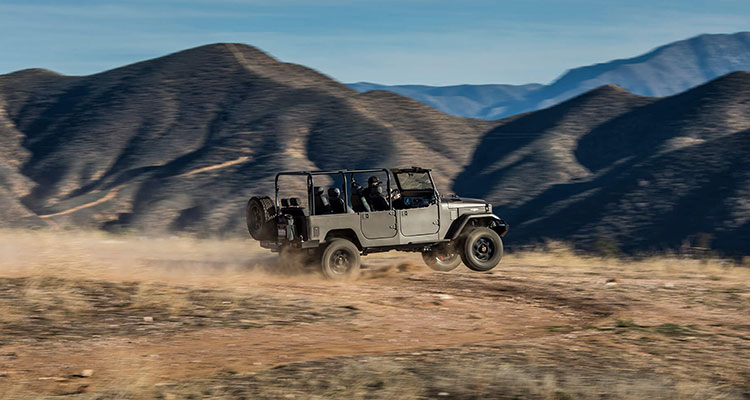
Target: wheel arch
[(491, 221), (346, 233)]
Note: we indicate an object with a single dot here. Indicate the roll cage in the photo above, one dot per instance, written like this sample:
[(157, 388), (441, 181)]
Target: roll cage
[(347, 175)]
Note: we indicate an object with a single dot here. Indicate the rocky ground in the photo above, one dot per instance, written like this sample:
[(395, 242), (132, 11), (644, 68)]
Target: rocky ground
[(94, 316)]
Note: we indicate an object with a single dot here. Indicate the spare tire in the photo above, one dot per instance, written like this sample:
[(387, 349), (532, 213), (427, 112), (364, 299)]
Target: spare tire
[(260, 214)]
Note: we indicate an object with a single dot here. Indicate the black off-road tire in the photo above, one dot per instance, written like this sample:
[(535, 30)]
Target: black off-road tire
[(443, 258), (340, 260), (260, 214), (482, 249)]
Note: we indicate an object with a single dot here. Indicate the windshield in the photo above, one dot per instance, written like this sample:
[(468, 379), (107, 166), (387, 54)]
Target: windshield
[(414, 181)]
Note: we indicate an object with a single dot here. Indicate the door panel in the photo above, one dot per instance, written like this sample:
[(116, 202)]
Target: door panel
[(378, 224), (419, 221)]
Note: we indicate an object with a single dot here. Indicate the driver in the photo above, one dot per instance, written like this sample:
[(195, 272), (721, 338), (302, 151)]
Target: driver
[(374, 195)]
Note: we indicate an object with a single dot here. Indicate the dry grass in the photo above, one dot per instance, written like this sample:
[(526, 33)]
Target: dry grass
[(386, 378), (221, 262), (541, 326), (562, 255)]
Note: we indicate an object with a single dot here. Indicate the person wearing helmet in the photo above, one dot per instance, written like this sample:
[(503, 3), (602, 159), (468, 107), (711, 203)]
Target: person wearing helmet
[(322, 205), (359, 203), (375, 196), (338, 206)]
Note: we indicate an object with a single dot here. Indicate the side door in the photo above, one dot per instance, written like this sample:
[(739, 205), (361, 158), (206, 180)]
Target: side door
[(419, 221), (379, 224)]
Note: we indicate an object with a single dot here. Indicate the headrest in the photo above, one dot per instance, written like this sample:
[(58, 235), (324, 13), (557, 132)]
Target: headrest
[(318, 190), (285, 203), (294, 202), (334, 192)]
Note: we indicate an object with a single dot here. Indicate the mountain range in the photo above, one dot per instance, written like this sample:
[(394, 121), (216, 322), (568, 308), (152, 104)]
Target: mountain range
[(667, 70), (645, 173), (180, 142)]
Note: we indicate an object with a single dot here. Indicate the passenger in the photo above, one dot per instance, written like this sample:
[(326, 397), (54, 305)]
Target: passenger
[(374, 195), (322, 205), (359, 204), (338, 206)]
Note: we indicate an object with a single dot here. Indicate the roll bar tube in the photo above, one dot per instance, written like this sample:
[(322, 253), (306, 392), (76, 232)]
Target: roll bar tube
[(342, 172)]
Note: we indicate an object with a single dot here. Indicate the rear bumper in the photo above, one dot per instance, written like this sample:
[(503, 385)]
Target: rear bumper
[(268, 244)]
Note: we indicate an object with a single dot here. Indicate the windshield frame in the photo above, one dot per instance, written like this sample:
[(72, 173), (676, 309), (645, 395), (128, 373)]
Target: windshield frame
[(397, 176)]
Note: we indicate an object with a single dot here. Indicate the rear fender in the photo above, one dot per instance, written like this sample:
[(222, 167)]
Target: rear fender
[(347, 234)]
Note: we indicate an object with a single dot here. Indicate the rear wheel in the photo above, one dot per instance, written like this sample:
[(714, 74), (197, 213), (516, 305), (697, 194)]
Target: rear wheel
[(443, 258), (340, 260), (482, 249), (259, 214)]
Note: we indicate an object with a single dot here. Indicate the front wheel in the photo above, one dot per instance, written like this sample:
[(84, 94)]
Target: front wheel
[(340, 260), (442, 258), (482, 249)]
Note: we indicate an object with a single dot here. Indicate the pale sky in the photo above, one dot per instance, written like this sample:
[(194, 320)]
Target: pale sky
[(440, 42)]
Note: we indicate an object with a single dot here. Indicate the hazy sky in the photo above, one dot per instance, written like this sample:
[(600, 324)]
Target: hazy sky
[(436, 42)]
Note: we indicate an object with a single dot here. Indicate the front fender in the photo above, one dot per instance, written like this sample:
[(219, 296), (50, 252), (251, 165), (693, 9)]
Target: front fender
[(492, 221)]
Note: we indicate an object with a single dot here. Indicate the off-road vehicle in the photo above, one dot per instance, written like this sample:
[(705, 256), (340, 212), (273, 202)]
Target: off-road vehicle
[(335, 229)]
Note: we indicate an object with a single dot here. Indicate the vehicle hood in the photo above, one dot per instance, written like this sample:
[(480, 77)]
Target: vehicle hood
[(460, 202)]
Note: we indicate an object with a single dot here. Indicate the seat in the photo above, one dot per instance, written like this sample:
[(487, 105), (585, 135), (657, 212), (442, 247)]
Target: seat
[(375, 197), (298, 214), (293, 207)]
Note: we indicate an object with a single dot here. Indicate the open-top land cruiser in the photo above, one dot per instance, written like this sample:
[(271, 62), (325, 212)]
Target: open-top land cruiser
[(332, 228)]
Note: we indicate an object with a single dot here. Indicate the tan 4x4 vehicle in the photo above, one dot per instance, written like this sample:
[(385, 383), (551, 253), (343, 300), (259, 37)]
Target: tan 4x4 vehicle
[(408, 214)]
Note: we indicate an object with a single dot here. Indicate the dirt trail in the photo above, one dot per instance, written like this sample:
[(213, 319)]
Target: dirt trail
[(111, 194), (249, 333)]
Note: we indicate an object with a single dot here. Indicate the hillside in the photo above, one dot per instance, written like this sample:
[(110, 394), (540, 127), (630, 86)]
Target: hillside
[(645, 173), (664, 71), (180, 142)]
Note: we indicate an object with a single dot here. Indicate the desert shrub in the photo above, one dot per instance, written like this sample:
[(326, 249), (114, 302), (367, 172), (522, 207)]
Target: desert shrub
[(607, 247)]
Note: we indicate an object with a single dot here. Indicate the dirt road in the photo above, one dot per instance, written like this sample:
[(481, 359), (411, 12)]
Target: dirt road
[(213, 326)]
